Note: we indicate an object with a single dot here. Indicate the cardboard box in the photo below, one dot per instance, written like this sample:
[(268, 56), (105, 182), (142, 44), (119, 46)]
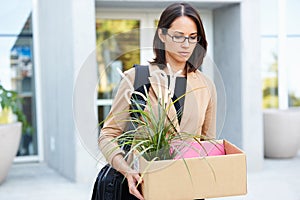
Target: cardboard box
[(195, 178)]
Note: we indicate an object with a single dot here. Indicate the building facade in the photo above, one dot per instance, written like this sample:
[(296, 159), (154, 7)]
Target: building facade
[(76, 45), (66, 70)]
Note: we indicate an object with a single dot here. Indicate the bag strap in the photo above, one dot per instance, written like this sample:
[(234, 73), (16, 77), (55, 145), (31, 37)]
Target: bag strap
[(141, 85), (141, 76), (140, 79)]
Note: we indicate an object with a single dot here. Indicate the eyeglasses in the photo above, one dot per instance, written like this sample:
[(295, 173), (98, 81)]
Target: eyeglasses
[(181, 39)]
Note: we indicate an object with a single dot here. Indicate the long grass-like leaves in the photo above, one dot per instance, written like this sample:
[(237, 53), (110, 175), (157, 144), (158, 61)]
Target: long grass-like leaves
[(154, 130), (155, 136)]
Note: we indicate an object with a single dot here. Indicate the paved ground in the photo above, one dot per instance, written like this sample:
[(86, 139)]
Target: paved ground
[(36, 181), (280, 180)]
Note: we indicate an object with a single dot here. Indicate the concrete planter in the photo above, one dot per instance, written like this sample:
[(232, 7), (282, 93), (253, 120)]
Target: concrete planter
[(10, 135), (281, 133)]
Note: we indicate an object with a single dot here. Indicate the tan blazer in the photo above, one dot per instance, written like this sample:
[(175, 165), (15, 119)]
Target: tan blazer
[(199, 114)]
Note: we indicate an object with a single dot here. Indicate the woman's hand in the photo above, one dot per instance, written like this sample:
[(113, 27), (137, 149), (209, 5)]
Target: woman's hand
[(133, 180), (133, 177)]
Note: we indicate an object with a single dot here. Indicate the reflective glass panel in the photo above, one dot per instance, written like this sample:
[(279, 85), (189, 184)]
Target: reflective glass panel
[(293, 67), (269, 60), (17, 72), (118, 46)]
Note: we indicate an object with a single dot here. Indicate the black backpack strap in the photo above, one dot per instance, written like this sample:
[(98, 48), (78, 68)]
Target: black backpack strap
[(137, 101), (141, 76), (140, 82)]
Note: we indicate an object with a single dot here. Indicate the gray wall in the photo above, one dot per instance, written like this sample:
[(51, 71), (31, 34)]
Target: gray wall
[(84, 96), (65, 36), (237, 55), (56, 71), (227, 56), (251, 84)]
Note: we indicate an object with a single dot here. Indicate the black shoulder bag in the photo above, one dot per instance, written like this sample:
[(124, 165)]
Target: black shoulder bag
[(111, 184)]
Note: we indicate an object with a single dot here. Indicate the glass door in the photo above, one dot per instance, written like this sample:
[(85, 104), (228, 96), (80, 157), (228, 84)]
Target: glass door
[(17, 70), (118, 46), (122, 40), (22, 80)]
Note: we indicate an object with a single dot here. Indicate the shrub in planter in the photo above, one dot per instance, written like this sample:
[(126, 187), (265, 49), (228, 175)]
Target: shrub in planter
[(12, 123)]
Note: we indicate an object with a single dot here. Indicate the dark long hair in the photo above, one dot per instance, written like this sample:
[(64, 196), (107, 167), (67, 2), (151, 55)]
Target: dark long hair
[(166, 19)]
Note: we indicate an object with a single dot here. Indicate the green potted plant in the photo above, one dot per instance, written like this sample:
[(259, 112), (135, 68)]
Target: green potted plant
[(155, 139), (12, 122), (154, 145), (154, 134)]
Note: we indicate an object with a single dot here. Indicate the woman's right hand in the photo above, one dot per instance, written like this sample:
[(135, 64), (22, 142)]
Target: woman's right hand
[(133, 180), (133, 177)]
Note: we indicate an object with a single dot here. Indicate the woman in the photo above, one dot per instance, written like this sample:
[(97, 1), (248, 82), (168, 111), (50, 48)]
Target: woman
[(179, 43)]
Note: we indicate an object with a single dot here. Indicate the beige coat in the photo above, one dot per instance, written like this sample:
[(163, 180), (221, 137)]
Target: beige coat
[(199, 114)]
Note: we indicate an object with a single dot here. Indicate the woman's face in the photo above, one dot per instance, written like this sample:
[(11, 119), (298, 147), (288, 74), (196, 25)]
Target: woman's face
[(177, 53)]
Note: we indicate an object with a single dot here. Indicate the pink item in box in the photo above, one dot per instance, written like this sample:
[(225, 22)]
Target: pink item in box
[(194, 149)]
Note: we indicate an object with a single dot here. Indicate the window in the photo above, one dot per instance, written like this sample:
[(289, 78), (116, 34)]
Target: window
[(280, 41), (118, 46), (293, 47), (17, 71), (293, 65), (269, 60)]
